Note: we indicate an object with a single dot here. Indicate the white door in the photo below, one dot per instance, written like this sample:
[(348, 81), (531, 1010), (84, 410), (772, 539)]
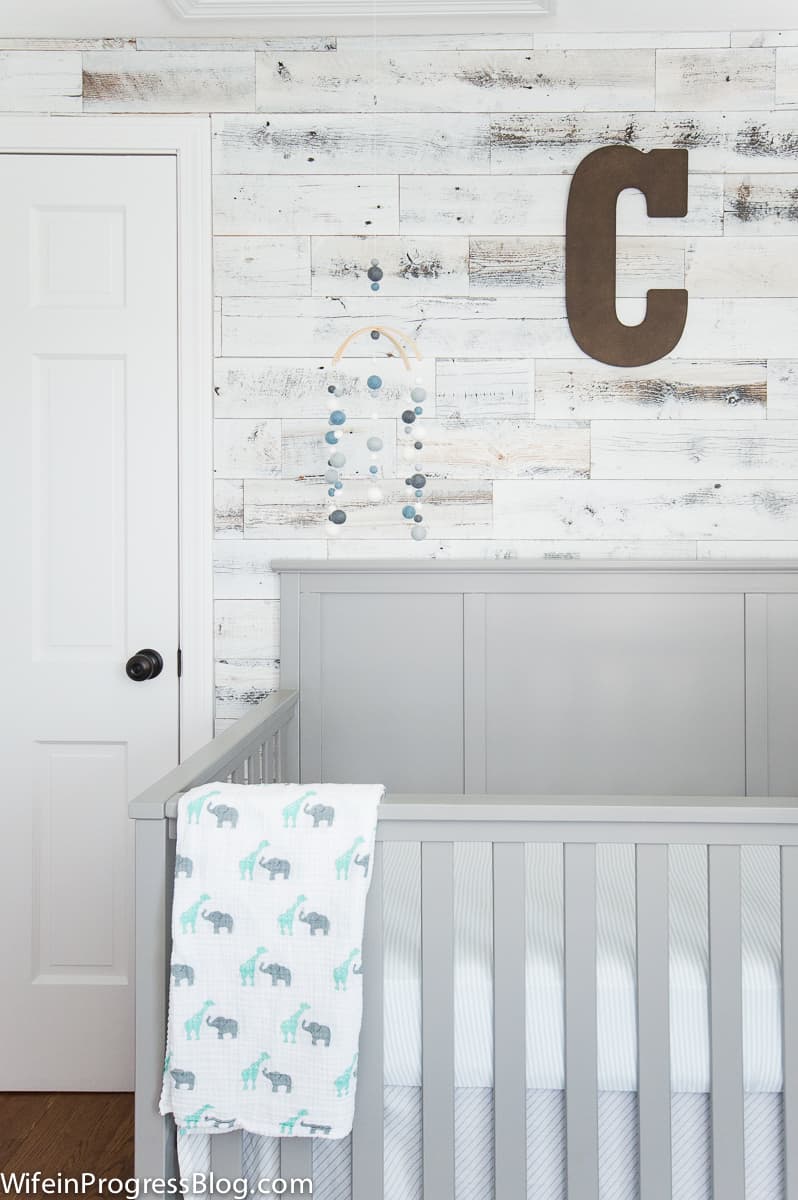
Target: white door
[(88, 477)]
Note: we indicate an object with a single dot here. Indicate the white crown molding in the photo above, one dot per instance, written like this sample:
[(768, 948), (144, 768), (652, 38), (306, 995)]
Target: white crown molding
[(301, 10)]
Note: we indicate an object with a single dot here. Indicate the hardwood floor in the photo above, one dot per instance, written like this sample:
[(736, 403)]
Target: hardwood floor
[(67, 1133)]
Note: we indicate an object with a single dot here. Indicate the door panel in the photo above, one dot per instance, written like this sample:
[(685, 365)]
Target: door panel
[(88, 319)]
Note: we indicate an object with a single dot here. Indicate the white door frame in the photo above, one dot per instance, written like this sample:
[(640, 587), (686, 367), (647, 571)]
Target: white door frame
[(188, 139)]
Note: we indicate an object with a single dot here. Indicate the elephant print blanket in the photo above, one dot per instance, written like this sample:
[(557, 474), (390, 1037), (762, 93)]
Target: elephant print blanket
[(267, 926)]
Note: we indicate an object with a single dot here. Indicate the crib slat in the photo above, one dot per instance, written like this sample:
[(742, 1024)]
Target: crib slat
[(254, 768), (726, 1023), (581, 1049), (296, 1158), (509, 1019), (239, 775), (226, 1151), (437, 1018), (267, 749), (789, 983), (368, 1134), (653, 1022)]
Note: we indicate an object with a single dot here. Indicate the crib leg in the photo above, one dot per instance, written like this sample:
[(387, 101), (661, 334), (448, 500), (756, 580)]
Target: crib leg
[(155, 1156)]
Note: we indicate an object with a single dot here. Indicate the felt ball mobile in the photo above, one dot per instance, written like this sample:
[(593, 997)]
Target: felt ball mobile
[(416, 480)]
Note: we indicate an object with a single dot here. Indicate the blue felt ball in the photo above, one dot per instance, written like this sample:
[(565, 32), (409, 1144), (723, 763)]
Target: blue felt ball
[(375, 333), (408, 416), (419, 494), (409, 512), (418, 480), (338, 485), (418, 533), (418, 395), (375, 273), (375, 287), (337, 517), (419, 410), (374, 382), (338, 459), (373, 470), (331, 389), (418, 518), (331, 491), (331, 437), (337, 417)]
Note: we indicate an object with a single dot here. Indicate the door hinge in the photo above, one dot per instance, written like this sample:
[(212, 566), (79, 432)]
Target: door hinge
[(179, 662)]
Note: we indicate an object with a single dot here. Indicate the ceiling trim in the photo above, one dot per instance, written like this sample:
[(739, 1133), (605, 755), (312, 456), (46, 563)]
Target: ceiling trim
[(320, 9)]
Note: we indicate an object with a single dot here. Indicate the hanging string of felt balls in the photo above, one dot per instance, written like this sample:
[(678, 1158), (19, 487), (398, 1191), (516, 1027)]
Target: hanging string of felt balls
[(415, 482)]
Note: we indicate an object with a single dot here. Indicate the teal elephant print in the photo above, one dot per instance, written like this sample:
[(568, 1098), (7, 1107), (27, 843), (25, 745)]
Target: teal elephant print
[(285, 921), (195, 806), (291, 811), (193, 1120), (290, 1025), (188, 919), (194, 1024), (344, 861), (249, 1076), (287, 1127), (341, 972), (247, 968), (247, 864), (344, 1081)]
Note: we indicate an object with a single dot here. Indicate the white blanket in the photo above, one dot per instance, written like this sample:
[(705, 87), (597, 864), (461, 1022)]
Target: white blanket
[(266, 995)]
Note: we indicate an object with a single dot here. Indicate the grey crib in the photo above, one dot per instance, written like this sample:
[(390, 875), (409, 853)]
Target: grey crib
[(469, 690)]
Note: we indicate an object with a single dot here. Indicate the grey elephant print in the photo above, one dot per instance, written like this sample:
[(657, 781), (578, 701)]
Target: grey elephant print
[(318, 1033), (279, 1080), (326, 1130), (183, 1079), (220, 1123), (291, 810), (183, 866), (279, 973), (321, 812), (181, 971), (315, 921), (225, 815), (357, 969), (275, 867), (219, 920), (363, 861), (224, 1026)]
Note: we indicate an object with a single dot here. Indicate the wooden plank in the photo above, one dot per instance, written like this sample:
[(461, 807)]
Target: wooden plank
[(787, 77), (789, 1009), (736, 328), (242, 568), (247, 629), (694, 450), (509, 1019), (297, 387), (717, 141), (534, 205), (299, 510), (495, 449), (465, 40), (168, 81), (760, 204), (581, 1048), (261, 266), (348, 143), (437, 1008), (240, 683), (456, 327), (491, 387), (716, 80), (408, 81), (782, 549), (67, 43), (40, 82), (305, 454), (747, 266), (620, 40), (536, 266), (756, 695), (300, 205), (228, 500), (281, 45), (641, 509), (368, 1135), (726, 1029), (783, 388), (764, 37), (411, 266), (653, 1022), (668, 389), (247, 449)]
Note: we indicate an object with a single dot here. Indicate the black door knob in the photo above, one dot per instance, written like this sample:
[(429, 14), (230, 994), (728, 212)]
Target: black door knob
[(147, 664)]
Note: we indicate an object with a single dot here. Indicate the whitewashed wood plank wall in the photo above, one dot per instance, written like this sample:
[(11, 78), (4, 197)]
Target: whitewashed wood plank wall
[(450, 157)]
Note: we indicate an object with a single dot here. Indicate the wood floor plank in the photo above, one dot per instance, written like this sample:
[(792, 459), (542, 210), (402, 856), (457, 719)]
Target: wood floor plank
[(70, 1133)]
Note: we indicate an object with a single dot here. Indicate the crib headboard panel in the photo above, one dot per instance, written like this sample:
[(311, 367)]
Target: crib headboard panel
[(557, 677)]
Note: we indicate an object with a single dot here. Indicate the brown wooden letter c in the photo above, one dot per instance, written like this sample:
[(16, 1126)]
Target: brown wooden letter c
[(590, 254)]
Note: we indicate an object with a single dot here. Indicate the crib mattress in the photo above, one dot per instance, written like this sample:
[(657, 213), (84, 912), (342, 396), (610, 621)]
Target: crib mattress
[(615, 968)]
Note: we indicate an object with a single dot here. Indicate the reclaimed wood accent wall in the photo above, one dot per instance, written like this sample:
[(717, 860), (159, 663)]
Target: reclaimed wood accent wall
[(458, 165)]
